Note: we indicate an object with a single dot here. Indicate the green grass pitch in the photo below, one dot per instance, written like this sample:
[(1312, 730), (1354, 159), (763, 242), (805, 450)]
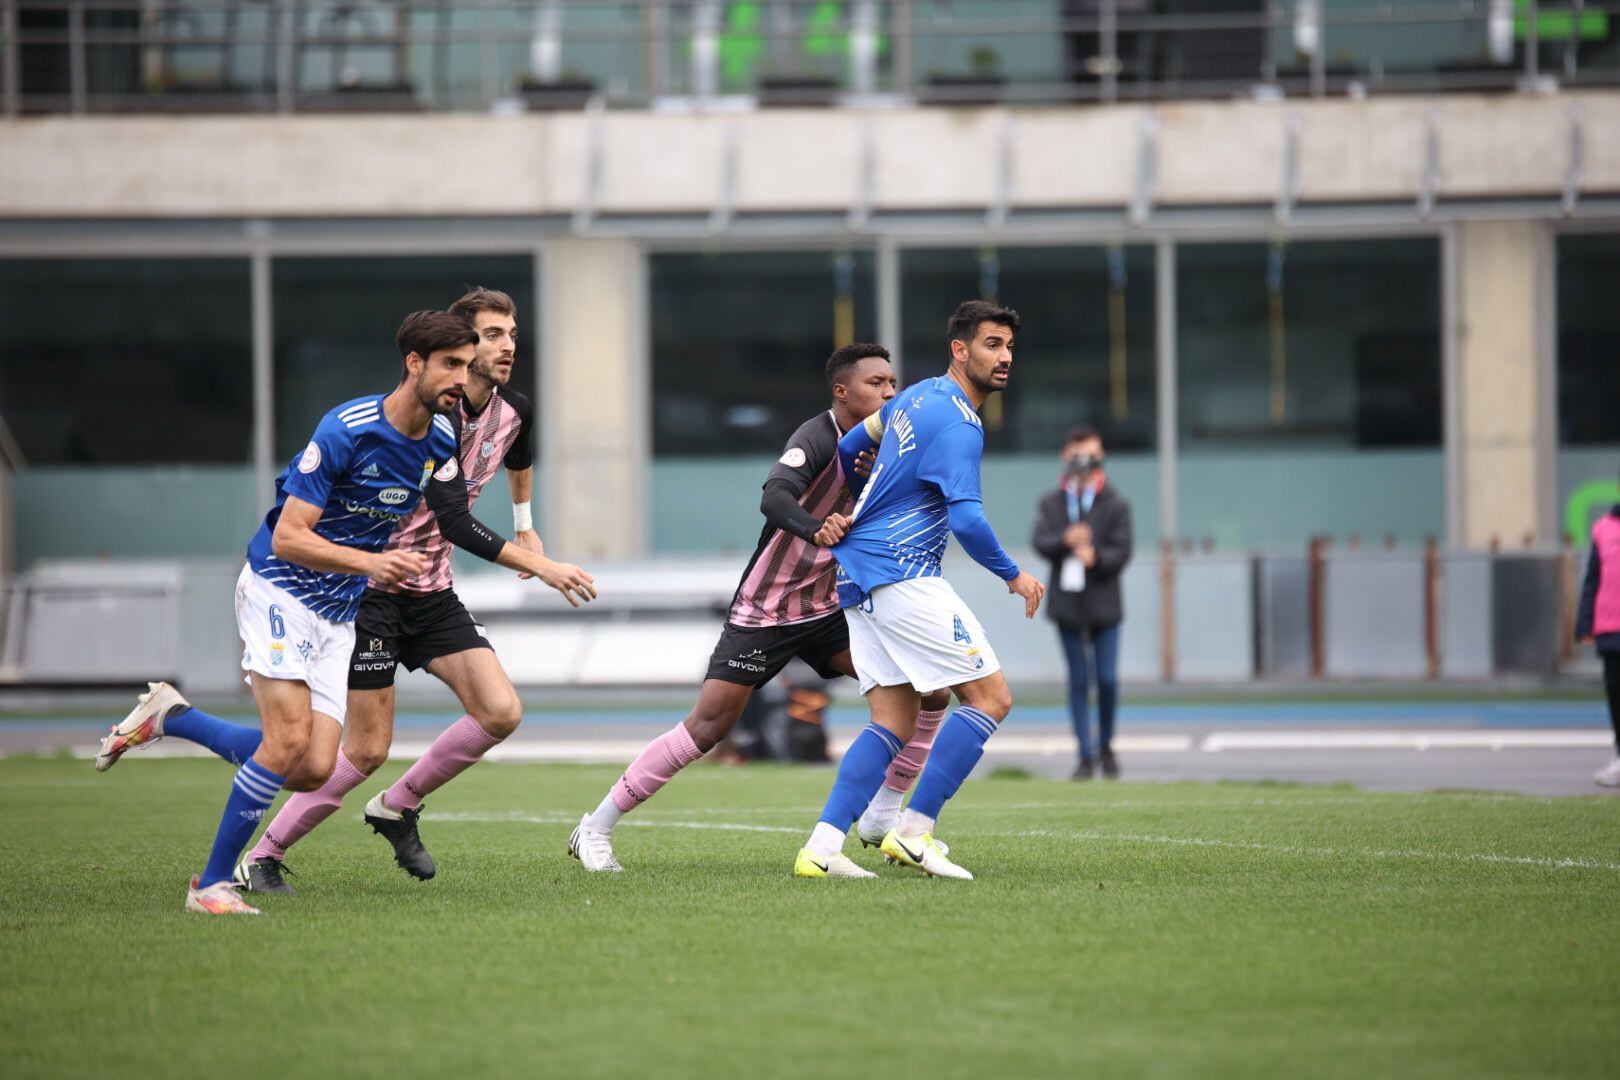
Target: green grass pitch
[(1114, 930)]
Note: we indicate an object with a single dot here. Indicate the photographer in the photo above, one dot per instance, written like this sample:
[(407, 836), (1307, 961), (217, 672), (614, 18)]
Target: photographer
[(1084, 530)]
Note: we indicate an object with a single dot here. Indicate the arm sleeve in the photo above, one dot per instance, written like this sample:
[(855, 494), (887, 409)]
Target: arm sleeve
[(780, 505), (322, 463), (978, 539), (1115, 546), (952, 465), (807, 453), (521, 454), (447, 497), (1048, 538), (1585, 612), (867, 435)]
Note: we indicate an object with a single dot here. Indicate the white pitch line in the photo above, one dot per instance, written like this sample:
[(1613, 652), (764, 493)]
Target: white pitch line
[(1504, 739), (1090, 837), (564, 819), (617, 751)]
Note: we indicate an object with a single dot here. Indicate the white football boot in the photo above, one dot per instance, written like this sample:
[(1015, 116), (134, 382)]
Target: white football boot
[(593, 848), (143, 726)]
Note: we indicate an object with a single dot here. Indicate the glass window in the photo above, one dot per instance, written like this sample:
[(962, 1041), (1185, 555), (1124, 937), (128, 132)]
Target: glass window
[(1588, 340), (1085, 354), (740, 343), (1309, 387), (127, 361), (335, 321), (1588, 380)]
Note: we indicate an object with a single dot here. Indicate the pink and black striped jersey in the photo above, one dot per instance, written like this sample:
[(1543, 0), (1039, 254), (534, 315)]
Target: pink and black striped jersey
[(497, 437), (789, 579)]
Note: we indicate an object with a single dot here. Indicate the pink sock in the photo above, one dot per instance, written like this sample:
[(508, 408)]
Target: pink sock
[(307, 809), (654, 767), (909, 762), (457, 747)]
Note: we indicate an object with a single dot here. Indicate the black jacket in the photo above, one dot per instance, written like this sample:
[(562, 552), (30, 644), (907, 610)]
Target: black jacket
[(1098, 604)]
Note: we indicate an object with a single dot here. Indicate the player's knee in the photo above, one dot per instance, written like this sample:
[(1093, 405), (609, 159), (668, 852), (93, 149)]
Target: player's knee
[(502, 719), (997, 701), (308, 775), (366, 757), (935, 700), (707, 729)]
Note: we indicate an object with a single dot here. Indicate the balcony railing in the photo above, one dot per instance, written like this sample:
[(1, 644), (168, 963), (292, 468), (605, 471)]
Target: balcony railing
[(318, 55)]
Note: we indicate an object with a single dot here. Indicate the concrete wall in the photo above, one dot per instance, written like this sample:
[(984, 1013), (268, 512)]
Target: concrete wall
[(1207, 153)]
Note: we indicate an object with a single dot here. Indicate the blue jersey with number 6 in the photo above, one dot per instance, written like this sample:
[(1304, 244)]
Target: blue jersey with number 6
[(367, 477)]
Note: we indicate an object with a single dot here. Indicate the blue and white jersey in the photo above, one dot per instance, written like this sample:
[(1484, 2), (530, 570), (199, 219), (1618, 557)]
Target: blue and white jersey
[(924, 485), (368, 477)]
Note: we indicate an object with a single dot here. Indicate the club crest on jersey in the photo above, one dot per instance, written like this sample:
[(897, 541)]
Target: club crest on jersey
[(427, 471), (311, 459), (486, 451), (793, 459)]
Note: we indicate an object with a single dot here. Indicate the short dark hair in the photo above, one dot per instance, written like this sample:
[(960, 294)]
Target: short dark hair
[(839, 363), (1083, 433), (477, 298), (965, 320), (427, 332)]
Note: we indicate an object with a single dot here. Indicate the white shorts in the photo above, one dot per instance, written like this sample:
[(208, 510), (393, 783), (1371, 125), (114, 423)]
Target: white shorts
[(918, 632), (283, 639)]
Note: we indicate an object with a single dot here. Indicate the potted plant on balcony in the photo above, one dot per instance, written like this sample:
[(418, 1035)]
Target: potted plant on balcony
[(796, 88), (983, 85), (569, 90)]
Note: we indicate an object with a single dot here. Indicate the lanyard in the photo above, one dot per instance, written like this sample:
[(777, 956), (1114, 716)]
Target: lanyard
[(1077, 501)]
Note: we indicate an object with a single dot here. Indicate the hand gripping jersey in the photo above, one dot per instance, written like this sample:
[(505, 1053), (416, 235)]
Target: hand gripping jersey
[(369, 478), (495, 438), (789, 579), (923, 487)]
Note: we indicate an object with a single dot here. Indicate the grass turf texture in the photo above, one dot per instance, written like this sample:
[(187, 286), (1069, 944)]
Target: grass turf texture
[(1115, 930)]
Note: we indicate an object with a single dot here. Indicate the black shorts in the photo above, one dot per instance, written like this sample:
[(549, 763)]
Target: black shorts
[(753, 656), (409, 629)]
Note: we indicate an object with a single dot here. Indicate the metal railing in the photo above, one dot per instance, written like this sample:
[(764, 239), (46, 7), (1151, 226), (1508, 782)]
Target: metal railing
[(311, 55)]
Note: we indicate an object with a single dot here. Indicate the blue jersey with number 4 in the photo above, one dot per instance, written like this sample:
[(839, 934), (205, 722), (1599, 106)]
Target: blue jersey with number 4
[(368, 477), (923, 486)]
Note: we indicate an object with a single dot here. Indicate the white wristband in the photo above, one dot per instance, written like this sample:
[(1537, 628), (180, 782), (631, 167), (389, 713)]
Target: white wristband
[(522, 519)]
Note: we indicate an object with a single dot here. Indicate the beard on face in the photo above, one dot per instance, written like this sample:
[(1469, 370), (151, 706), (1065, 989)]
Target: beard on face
[(434, 402)]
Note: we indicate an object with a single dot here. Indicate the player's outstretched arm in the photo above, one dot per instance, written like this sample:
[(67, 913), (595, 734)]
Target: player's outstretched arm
[(447, 497), (296, 541)]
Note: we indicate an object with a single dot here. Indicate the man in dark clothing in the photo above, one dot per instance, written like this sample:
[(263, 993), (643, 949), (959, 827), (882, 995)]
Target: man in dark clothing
[(1084, 530)]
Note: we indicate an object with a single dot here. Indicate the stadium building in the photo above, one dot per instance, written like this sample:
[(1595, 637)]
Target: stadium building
[(1338, 270)]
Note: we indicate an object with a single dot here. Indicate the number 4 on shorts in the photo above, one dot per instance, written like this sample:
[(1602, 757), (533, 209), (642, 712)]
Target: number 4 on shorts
[(961, 631)]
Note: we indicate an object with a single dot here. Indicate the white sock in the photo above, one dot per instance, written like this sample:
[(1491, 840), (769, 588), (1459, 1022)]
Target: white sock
[(915, 824), (826, 840), (886, 803), (378, 807), (606, 815)]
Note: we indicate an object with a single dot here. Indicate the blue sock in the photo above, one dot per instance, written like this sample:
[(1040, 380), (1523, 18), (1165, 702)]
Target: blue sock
[(957, 748), (860, 775), (252, 792), (233, 742)]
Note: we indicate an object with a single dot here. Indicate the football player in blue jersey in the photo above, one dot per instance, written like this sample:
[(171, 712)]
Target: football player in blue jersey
[(909, 632), (337, 504)]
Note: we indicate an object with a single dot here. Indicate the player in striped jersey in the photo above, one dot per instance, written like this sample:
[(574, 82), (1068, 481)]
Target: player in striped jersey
[(785, 606), (421, 623), (337, 504)]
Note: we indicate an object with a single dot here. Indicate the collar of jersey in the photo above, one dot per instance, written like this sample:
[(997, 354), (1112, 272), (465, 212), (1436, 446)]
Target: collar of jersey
[(949, 386)]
